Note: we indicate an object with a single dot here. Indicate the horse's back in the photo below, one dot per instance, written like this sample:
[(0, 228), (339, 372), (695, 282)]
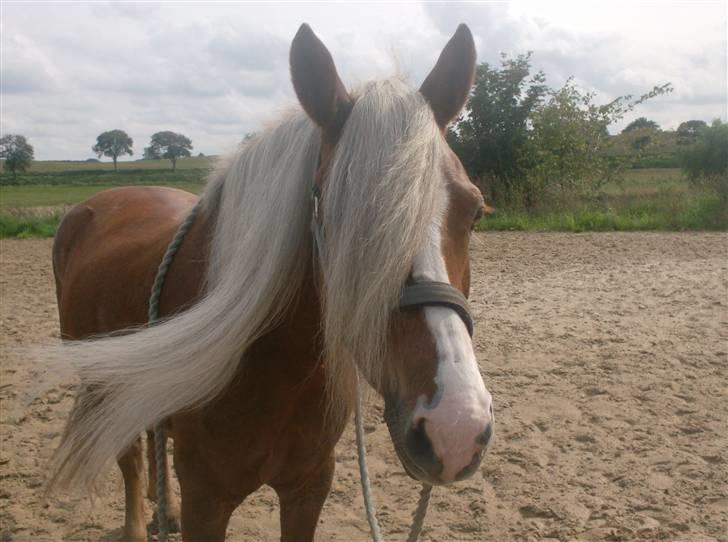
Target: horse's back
[(106, 253)]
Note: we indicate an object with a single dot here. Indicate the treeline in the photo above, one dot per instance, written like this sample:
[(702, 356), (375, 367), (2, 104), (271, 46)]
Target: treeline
[(18, 154), (528, 145), (168, 145)]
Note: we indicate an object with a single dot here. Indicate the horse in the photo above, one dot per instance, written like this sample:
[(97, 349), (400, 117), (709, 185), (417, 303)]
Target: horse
[(254, 367)]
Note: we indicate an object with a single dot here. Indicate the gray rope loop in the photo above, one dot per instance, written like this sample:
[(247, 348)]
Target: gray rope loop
[(418, 518), (159, 442)]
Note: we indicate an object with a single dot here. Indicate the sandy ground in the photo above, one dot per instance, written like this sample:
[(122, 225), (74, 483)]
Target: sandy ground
[(607, 358)]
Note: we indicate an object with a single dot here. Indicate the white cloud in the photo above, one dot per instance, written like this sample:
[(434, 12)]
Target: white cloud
[(216, 71)]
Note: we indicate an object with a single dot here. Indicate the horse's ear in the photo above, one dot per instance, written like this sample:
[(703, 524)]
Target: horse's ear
[(448, 85), (317, 85)]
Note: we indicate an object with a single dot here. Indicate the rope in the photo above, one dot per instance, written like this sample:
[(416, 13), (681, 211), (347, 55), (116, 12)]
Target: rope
[(418, 519), (159, 440)]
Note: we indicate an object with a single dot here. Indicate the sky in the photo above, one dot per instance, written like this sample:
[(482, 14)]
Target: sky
[(216, 71)]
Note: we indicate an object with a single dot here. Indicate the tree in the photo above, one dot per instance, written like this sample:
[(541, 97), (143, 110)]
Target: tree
[(687, 132), (17, 153), (521, 139), (567, 142), (113, 144), (168, 145), (491, 136), (571, 142), (641, 123), (706, 162)]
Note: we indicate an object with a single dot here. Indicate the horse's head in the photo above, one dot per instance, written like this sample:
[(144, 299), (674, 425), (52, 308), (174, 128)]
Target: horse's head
[(398, 209)]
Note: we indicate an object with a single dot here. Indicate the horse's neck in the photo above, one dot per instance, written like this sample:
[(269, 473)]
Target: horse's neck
[(296, 337)]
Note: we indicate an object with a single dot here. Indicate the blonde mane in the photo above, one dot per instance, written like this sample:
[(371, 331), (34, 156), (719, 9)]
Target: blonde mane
[(378, 200), (379, 197)]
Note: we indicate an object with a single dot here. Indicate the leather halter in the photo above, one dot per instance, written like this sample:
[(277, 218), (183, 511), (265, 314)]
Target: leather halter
[(414, 295)]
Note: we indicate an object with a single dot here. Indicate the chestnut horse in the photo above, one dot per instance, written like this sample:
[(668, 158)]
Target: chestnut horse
[(254, 367)]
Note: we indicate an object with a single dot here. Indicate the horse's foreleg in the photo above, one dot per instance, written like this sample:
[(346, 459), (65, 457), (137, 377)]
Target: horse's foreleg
[(204, 516), (173, 511), (132, 469), (301, 502)]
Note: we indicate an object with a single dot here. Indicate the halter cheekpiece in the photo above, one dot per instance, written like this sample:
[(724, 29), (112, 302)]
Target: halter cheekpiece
[(414, 295)]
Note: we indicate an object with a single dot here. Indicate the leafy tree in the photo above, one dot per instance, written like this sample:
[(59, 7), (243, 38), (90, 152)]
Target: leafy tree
[(491, 136), (578, 143), (17, 153), (641, 123), (170, 146), (706, 162), (521, 139), (687, 132), (113, 144), (567, 142)]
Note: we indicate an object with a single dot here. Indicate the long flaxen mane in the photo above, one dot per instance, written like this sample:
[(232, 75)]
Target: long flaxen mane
[(380, 195)]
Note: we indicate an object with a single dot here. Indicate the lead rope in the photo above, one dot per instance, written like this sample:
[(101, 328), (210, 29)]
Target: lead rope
[(418, 519), (159, 441)]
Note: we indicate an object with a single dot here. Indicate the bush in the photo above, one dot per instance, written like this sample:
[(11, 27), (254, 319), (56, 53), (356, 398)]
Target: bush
[(527, 143), (706, 162)]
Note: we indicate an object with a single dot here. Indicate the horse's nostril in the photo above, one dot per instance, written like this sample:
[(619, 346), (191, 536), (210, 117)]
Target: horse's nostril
[(484, 438), (419, 444), (420, 449)]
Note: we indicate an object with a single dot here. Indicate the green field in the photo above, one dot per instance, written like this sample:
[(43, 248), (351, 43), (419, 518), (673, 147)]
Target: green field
[(34, 203), (56, 166), (644, 199)]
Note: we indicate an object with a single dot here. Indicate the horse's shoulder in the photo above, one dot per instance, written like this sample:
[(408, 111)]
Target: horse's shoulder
[(124, 220)]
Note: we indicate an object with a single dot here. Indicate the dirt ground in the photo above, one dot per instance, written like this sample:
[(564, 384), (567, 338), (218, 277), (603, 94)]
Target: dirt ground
[(607, 358)]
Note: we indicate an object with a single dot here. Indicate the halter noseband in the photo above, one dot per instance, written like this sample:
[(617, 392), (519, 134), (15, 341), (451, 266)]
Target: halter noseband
[(417, 294)]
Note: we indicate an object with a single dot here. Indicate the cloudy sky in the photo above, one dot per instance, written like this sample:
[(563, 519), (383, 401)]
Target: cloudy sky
[(214, 71)]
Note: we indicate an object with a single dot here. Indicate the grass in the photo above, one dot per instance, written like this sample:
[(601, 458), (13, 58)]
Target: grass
[(32, 222), (107, 177), (34, 204), (698, 213), (59, 166), (645, 199)]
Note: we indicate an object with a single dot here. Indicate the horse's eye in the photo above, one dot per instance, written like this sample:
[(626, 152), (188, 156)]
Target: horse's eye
[(478, 215)]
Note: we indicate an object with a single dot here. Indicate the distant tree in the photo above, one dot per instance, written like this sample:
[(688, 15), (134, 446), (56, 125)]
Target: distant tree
[(641, 123), (687, 132), (17, 153), (706, 162), (640, 142), (113, 144), (170, 146)]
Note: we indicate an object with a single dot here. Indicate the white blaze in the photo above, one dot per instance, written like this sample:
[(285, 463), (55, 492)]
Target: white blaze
[(460, 410)]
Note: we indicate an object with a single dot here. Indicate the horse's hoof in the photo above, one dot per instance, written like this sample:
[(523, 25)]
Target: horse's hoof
[(174, 524)]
